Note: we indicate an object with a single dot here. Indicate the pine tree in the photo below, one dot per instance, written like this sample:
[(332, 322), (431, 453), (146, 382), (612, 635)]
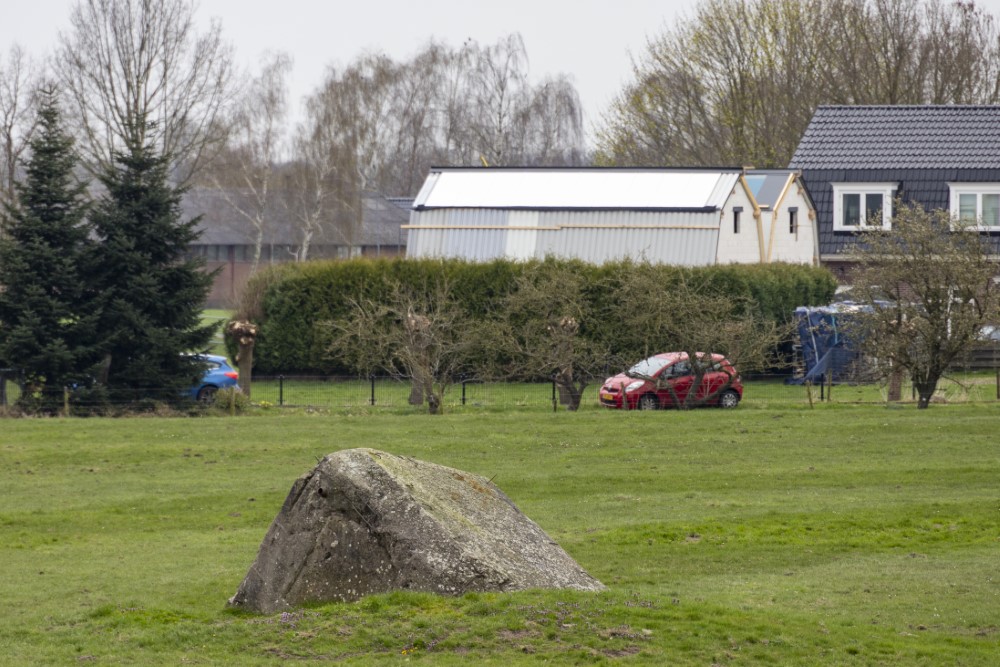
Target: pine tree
[(47, 318), (151, 296)]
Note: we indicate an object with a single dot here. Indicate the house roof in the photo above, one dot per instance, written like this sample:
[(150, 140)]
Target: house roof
[(382, 222), (577, 189), (767, 185), (901, 137)]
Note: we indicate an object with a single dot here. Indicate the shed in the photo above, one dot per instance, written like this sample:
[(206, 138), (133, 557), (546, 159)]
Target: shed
[(687, 216)]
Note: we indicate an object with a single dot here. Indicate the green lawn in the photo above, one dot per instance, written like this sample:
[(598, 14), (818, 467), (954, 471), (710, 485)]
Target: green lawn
[(218, 317), (844, 535), (340, 393)]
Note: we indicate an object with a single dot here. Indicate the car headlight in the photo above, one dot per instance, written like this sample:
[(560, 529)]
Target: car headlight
[(635, 385)]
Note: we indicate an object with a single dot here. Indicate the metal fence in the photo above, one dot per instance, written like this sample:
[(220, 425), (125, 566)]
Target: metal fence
[(966, 386), (384, 393)]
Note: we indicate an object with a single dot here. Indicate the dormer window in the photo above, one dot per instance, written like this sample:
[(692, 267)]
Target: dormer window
[(976, 205), (862, 206)]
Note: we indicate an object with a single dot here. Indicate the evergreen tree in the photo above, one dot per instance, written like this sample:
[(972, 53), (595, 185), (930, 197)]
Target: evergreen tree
[(47, 318), (151, 296)]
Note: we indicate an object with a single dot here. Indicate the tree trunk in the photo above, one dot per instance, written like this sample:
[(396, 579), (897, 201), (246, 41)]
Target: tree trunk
[(925, 391), (896, 385), (245, 334)]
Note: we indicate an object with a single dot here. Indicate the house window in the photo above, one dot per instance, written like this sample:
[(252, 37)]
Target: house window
[(736, 219), (793, 220), (861, 206), (976, 205)]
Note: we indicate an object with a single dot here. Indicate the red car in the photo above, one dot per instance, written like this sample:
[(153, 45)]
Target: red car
[(665, 380)]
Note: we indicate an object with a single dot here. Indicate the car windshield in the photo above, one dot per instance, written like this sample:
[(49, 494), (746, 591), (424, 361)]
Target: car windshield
[(648, 367)]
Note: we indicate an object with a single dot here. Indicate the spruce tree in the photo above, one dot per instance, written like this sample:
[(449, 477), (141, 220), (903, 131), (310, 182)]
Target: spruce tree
[(47, 318), (151, 297)]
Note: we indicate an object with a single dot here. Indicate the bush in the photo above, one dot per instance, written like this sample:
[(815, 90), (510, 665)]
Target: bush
[(231, 400), (289, 303)]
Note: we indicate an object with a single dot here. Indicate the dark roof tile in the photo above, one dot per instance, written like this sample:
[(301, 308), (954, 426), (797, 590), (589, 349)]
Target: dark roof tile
[(901, 137)]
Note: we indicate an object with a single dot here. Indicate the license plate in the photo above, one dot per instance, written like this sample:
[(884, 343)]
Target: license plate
[(607, 396)]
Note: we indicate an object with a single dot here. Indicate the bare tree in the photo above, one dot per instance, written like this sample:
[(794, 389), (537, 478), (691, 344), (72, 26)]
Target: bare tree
[(544, 330), (390, 121), (377, 126), (321, 190), (244, 173), (418, 332), (930, 286), (140, 74), (514, 122), (19, 83), (739, 81)]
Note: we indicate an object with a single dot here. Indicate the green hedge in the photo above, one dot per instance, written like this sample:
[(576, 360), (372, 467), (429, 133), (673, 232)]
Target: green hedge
[(292, 300)]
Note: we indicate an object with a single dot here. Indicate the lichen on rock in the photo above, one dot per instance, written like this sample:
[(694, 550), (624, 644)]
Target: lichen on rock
[(364, 521)]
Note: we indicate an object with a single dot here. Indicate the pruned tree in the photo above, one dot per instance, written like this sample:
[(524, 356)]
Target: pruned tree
[(543, 331), (690, 316), (707, 91), (47, 307), (419, 332), (930, 284), (19, 83), (140, 74), (244, 172)]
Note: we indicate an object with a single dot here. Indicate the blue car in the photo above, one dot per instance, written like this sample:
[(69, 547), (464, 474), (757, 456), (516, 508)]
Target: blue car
[(218, 375)]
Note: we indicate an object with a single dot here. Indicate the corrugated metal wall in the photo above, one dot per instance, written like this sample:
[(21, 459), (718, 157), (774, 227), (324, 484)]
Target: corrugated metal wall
[(684, 238)]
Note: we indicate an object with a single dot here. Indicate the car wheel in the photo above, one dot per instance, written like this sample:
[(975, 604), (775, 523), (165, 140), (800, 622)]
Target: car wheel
[(648, 402), (729, 399), (207, 393)]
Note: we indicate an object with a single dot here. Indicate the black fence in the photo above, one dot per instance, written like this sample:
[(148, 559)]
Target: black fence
[(385, 393)]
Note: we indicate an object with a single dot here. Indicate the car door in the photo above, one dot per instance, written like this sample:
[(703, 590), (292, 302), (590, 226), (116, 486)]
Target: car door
[(674, 383), (712, 382)]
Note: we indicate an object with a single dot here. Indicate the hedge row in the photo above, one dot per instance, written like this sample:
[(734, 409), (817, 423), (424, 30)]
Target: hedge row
[(290, 301)]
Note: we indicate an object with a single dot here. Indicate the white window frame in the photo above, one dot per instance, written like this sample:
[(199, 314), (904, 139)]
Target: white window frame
[(978, 189), (888, 192)]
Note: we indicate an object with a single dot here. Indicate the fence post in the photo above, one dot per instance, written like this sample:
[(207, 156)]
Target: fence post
[(281, 391), (65, 401), (555, 403), (463, 391), (372, 378)]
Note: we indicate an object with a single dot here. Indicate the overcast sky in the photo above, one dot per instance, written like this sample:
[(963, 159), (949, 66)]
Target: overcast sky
[(590, 40)]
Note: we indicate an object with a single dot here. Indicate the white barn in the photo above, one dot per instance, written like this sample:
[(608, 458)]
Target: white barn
[(688, 217)]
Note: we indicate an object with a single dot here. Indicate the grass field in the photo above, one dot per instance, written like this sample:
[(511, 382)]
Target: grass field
[(844, 535)]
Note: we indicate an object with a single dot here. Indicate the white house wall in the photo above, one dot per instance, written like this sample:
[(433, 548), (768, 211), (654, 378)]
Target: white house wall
[(744, 247), (801, 247)]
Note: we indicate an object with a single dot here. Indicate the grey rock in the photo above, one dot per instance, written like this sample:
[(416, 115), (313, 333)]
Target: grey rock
[(364, 521)]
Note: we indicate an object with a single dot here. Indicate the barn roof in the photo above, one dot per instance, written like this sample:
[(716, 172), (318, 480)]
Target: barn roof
[(578, 189)]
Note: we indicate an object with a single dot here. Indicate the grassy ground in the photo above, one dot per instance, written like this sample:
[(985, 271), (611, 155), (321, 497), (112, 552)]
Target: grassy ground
[(843, 535), (218, 317), (341, 393)]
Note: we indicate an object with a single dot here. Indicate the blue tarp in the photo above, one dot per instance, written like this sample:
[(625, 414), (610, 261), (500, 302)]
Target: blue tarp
[(825, 345)]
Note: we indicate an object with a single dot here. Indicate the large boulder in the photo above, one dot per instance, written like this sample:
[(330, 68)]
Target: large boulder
[(365, 521)]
